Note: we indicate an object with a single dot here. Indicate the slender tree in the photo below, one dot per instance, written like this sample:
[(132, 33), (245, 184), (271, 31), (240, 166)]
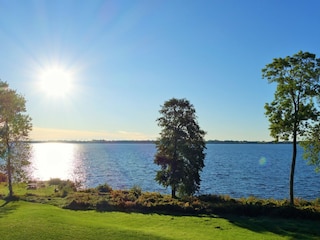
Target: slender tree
[(293, 111), (180, 148), (15, 126)]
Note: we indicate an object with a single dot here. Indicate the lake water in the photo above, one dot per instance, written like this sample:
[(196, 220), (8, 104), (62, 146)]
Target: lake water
[(239, 170)]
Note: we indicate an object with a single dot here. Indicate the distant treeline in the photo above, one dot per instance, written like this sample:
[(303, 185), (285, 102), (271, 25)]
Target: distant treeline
[(244, 142), (153, 141)]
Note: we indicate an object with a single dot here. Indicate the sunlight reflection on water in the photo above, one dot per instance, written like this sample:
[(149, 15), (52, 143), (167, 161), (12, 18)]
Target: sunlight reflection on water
[(54, 160)]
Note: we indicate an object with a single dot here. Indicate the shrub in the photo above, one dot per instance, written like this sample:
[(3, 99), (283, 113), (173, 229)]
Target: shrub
[(89, 190), (78, 205), (123, 199), (3, 177), (136, 191), (54, 181), (301, 202), (150, 197), (105, 188), (64, 187), (104, 205)]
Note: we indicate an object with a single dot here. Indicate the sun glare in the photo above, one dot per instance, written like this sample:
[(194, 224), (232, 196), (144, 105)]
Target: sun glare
[(56, 81), (53, 160)]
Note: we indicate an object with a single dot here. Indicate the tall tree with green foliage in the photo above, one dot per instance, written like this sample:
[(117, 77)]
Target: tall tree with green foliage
[(15, 126), (293, 110), (180, 148)]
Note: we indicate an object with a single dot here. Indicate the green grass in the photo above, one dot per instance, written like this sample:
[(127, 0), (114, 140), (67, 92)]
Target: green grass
[(39, 215), (25, 220), (20, 189)]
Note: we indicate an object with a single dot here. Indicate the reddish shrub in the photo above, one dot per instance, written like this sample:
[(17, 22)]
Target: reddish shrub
[(3, 177)]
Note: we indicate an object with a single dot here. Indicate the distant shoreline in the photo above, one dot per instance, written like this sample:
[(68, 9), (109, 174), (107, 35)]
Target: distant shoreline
[(153, 141)]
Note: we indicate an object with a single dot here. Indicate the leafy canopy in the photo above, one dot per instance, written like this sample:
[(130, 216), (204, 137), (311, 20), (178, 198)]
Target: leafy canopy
[(311, 146), (180, 148), (15, 126), (293, 109)]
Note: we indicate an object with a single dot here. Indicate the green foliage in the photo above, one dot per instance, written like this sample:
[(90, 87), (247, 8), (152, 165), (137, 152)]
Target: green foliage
[(104, 188), (180, 148), (148, 202), (15, 127), (293, 107), (55, 181), (311, 146), (78, 205), (293, 111), (104, 205), (136, 191), (63, 187), (151, 202)]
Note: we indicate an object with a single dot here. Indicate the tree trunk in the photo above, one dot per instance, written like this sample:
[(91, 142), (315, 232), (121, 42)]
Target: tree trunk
[(9, 177), (9, 167), (174, 167), (293, 164), (173, 192)]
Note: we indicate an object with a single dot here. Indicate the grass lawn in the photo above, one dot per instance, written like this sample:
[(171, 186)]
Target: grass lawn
[(25, 220)]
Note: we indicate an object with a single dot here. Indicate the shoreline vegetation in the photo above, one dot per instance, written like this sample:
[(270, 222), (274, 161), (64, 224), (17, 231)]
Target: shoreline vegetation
[(66, 194), (56, 209)]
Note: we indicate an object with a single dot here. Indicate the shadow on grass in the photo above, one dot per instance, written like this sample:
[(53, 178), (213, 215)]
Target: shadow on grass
[(257, 215), (7, 207), (300, 222), (290, 228)]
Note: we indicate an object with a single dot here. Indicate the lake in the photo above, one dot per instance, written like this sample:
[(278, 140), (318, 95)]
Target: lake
[(238, 170)]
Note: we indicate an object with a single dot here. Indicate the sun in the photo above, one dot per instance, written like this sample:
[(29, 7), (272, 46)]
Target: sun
[(56, 81)]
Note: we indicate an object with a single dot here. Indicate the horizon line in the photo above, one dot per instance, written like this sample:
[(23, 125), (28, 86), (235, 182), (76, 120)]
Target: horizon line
[(150, 141)]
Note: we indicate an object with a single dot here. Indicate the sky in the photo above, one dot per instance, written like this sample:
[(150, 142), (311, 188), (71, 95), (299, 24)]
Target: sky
[(102, 69)]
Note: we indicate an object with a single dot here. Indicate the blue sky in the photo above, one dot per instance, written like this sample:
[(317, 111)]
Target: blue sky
[(123, 59)]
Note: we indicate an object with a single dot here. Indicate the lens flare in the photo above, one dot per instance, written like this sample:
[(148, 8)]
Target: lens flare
[(262, 161)]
